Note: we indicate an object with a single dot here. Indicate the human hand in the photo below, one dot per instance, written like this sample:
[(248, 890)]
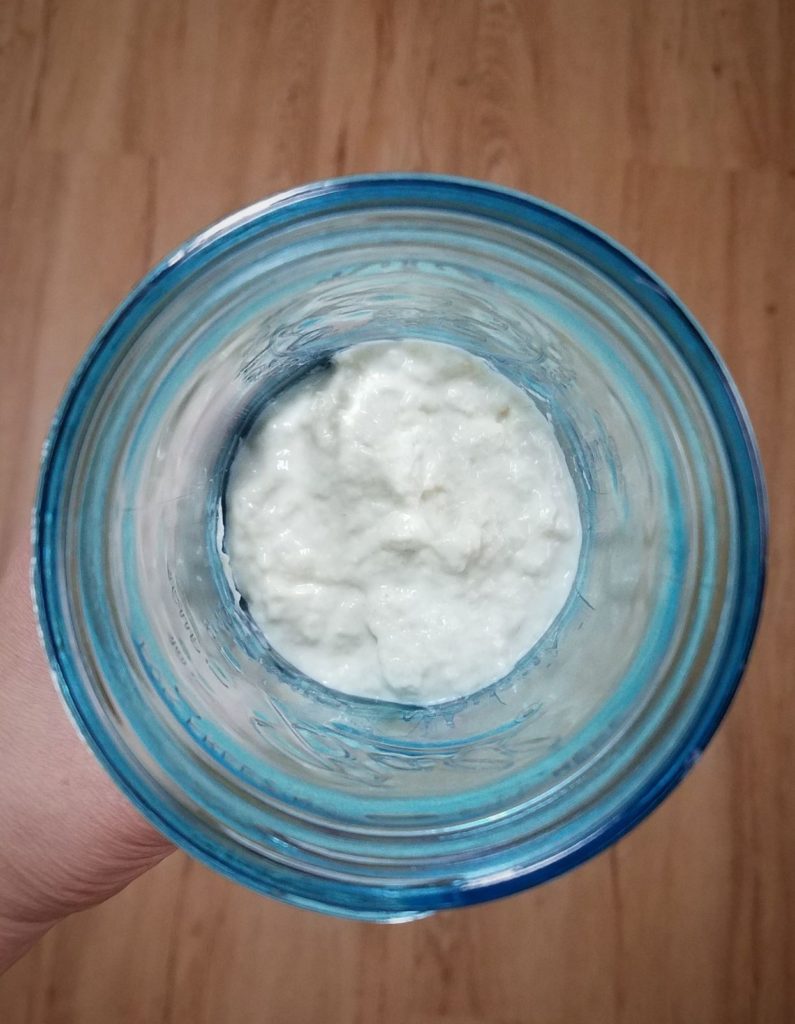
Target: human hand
[(68, 837)]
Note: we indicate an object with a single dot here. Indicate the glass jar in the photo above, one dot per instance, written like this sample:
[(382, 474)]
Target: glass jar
[(358, 807)]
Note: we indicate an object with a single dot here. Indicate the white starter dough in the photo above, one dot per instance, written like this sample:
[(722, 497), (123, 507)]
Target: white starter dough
[(403, 527)]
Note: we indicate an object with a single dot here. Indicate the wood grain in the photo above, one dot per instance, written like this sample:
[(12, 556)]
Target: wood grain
[(125, 125)]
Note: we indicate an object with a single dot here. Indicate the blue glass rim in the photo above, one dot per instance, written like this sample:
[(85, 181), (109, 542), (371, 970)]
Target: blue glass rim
[(478, 199)]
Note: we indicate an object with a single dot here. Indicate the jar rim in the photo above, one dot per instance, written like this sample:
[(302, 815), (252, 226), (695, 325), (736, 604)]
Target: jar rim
[(527, 214)]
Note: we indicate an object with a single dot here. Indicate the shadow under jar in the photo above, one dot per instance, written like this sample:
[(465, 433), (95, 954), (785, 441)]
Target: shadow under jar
[(364, 808)]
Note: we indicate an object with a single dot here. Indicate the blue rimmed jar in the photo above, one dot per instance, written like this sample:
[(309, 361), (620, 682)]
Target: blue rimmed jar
[(368, 809)]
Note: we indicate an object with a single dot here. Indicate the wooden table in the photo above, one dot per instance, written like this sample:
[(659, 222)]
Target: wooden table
[(124, 127)]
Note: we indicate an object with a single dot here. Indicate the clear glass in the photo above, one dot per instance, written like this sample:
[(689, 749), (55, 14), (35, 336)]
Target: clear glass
[(352, 806)]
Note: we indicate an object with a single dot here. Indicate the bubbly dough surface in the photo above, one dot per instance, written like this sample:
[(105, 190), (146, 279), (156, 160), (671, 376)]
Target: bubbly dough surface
[(404, 527)]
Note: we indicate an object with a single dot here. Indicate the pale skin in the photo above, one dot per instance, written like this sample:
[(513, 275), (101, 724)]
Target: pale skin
[(68, 837)]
